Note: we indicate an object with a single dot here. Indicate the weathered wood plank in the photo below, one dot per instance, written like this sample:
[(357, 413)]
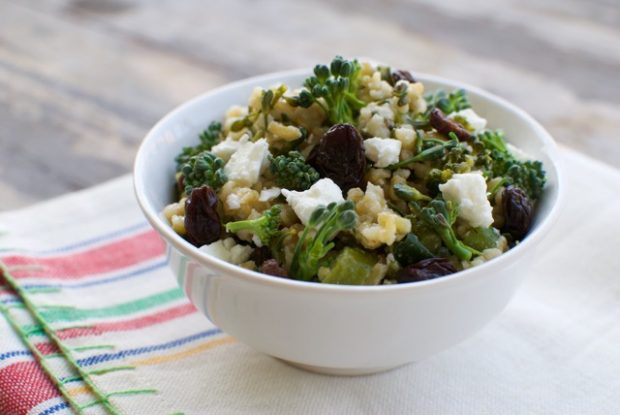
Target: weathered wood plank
[(75, 103), (81, 81)]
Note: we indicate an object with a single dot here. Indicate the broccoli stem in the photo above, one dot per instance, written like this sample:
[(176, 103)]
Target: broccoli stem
[(264, 227), (430, 153), (315, 241), (440, 218), (458, 248)]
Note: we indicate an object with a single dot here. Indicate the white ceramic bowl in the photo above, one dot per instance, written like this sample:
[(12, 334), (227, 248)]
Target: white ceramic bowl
[(333, 328)]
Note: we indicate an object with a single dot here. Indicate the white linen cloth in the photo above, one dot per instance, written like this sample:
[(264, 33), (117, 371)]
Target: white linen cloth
[(554, 350)]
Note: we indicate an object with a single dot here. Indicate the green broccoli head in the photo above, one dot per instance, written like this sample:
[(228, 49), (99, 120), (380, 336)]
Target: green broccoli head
[(316, 239), (292, 172), (528, 176), (208, 138), (455, 101), (493, 140), (203, 169), (497, 161), (441, 215), (438, 215), (265, 227), (337, 86)]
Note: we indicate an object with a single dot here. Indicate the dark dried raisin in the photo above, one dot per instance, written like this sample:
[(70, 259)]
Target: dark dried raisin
[(445, 125), (401, 74), (427, 269), (271, 267), (340, 156), (260, 255), (202, 222), (517, 212)]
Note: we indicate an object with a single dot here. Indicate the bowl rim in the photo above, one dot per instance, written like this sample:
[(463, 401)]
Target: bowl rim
[(184, 247)]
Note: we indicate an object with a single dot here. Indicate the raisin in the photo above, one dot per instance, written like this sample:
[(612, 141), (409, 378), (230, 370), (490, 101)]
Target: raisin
[(260, 255), (427, 269), (401, 74), (517, 212), (271, 267), (340, 156), (445, 125), (202, 222)]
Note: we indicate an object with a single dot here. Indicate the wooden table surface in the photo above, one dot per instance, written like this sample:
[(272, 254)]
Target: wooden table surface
[(81, 81)]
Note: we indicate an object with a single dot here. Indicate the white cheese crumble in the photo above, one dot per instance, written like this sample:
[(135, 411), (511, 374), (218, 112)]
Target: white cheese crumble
[(473, 121), (375, 119), (246, 163), (226, 148), (228, 250), (323, 192), (233, 201), (268, 194), (469, 190), (382, 151)]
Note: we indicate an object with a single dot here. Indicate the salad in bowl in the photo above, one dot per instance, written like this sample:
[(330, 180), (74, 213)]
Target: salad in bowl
[(359, 177)]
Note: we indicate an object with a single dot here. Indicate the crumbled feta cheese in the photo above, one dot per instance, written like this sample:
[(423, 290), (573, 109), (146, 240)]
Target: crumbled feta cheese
[(375, 119), (323, 192), (382, 151), (228, 250), (226, 148), (472, 121), (268, 194), (233, 201), (377, 126), (469, 190), (246, 163)]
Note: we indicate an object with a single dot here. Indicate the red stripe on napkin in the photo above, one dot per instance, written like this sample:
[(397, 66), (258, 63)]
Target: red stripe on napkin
[(136, 323), (17, 397), (47, 348), (106, 258)]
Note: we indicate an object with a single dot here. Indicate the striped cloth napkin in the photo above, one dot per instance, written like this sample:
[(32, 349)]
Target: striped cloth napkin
[(92, 322)]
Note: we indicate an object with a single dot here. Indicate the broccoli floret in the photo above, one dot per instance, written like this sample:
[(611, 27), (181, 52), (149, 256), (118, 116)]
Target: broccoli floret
[(441, 215), (435, 177), (497, 161), (204, 168), (269, 99), (292, 172), (337, 85), (455, 101), (264, 227), (208, 138), (493, 140), (529, 176), (316, 239)]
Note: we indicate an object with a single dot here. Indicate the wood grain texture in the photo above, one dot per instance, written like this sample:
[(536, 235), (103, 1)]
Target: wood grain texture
[(82, 81)]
